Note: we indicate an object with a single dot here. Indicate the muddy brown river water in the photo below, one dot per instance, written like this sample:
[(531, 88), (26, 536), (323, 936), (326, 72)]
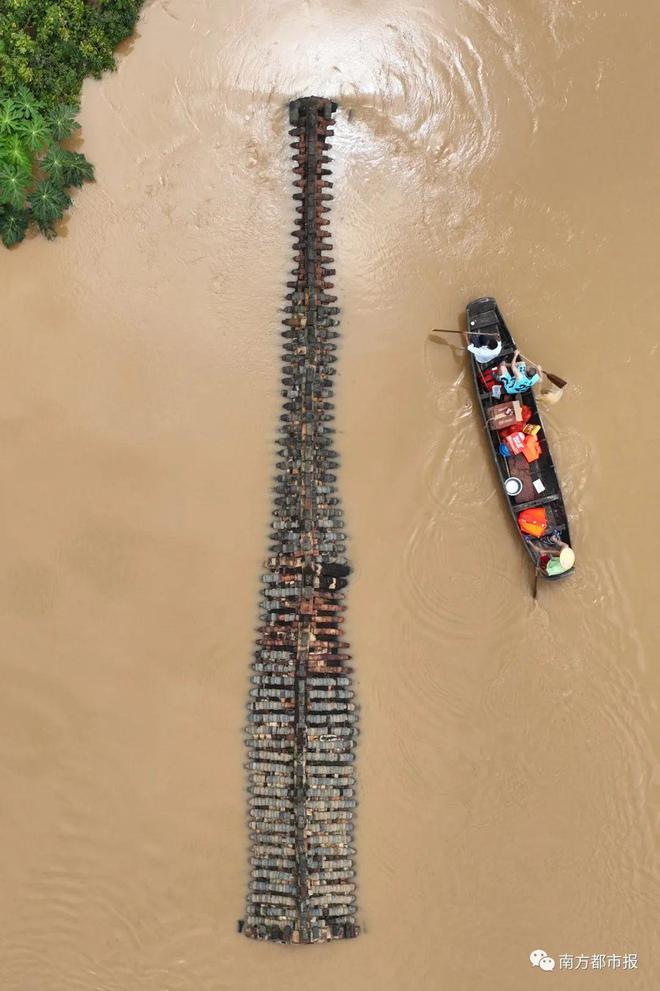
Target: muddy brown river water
[(508, 762)]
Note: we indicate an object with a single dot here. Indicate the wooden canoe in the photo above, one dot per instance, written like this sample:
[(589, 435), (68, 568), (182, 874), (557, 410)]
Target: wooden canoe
[(486, 324)]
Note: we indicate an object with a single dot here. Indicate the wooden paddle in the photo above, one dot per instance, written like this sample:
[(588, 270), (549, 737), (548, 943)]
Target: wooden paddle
[(555, 379)]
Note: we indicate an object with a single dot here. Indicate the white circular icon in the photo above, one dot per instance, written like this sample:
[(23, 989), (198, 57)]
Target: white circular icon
[(547, 963), (536, 956)]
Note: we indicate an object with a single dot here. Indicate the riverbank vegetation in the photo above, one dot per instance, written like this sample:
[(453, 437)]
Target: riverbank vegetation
[(47, 49)]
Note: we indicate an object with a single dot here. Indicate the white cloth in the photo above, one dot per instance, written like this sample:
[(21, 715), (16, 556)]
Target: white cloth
[(486, 354)]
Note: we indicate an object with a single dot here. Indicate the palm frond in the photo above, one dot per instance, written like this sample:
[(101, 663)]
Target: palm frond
[(48, 201), (69, 168), (13, 225), (62, 120), (35, 132), (14, 152), (14, 182), (26, 102), (10, 115), (54, 162), (77, 169)]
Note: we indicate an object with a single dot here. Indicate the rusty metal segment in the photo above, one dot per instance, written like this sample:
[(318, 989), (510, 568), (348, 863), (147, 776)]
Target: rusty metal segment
[(302, 718)]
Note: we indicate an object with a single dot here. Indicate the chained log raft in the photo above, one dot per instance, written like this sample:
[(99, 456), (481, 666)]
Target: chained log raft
[(302, 722)]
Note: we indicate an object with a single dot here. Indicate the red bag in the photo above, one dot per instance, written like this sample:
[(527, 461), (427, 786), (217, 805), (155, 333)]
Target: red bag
[(487, 379)]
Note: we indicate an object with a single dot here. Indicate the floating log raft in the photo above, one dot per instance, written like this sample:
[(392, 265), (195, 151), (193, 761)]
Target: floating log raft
[(302, 720)]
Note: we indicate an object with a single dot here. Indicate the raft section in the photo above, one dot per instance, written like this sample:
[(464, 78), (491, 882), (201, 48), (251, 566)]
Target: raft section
[(302, 720)]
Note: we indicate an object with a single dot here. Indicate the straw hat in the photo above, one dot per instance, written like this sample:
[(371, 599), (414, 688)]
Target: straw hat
[(567, 558)]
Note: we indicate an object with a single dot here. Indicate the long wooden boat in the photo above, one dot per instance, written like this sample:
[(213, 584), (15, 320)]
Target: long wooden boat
[(540, 483)]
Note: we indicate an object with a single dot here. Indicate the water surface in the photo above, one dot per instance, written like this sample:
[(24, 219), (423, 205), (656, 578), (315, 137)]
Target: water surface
[(508, 759)]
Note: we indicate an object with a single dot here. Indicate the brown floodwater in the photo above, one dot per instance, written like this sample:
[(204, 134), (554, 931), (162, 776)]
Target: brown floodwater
[(508, 762)]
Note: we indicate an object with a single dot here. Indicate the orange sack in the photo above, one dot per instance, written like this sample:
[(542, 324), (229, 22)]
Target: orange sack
[(531, 448), (533, 521)]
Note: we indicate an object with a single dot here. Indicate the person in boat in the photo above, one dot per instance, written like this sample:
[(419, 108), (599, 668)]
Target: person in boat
[(553, 555), (518, 379), (485, 349)]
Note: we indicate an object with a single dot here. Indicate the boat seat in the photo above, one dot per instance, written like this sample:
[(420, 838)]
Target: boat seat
[(535, 503), (480, 321)]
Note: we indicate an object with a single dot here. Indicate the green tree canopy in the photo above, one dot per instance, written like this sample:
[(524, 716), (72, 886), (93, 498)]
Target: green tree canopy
[(50, 46), (47, 48)]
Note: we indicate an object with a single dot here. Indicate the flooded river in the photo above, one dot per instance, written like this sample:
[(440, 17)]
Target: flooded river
[(508, 783)]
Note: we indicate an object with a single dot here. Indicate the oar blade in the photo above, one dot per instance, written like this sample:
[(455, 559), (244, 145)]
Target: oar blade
[(556, 380)]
